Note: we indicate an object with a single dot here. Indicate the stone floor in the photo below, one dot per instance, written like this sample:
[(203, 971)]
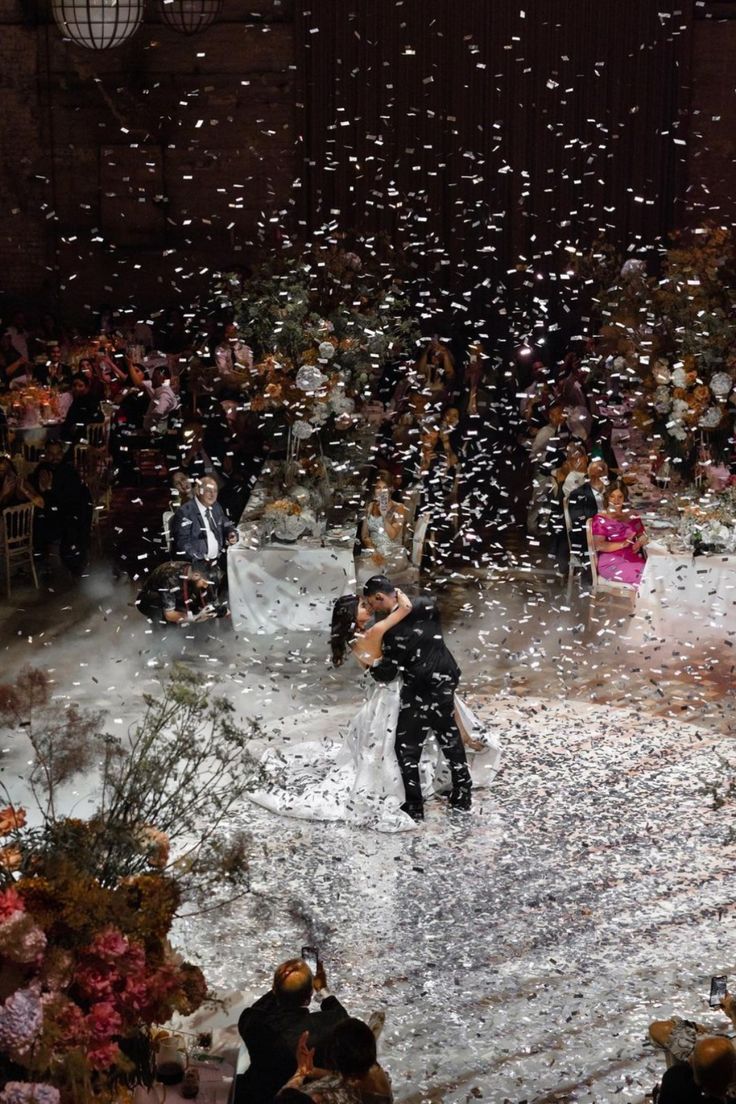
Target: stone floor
[(519, 952)]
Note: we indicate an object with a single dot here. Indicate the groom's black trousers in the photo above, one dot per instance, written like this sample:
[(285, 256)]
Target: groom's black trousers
[(423, 710)]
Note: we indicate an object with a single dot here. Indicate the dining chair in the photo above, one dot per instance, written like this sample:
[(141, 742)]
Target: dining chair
[(17, 540)]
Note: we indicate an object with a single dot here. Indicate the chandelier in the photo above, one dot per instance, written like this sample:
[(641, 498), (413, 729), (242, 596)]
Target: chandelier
[(97, 24), (189, 16)]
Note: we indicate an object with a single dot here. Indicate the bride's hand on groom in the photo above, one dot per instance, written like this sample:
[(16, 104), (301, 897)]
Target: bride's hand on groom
[(403, 601)]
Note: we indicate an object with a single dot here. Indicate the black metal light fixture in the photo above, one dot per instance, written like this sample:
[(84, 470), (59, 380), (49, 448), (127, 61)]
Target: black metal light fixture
[(97, 24), (189, 16)]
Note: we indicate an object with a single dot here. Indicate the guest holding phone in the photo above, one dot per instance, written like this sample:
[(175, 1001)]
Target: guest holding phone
[(382, 531)]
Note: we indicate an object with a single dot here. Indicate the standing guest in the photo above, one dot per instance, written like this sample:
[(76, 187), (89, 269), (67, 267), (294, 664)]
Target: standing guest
[(233, 361), (202, 531), (585, 503), (19, 335), (83, 410), (162, 400), (176, 594), (66, 514), (53, 372), (619, 538), (272, 1027), (13, 365), (15, 491), (437, 369)]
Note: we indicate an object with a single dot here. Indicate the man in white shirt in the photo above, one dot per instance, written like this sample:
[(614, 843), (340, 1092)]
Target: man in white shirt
[(202, 531)]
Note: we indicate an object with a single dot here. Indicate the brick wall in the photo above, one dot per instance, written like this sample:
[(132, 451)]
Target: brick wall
[(142, 168)]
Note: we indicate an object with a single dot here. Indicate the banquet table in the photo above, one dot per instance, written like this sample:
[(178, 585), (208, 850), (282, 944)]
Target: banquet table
[(288, 587), (693, 595)]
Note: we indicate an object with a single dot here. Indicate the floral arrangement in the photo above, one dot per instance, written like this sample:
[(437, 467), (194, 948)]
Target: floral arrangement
[(31, 405), (674, 338), (711, 522), (86, 906)]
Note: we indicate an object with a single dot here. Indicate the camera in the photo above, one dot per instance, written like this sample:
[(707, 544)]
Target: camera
[(221, 609)]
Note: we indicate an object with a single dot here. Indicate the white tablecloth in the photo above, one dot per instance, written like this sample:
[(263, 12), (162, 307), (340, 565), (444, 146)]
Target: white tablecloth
[(287, 588), (694, 595)]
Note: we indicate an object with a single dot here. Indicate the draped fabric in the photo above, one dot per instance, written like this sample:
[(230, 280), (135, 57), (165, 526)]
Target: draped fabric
[(485, 131)]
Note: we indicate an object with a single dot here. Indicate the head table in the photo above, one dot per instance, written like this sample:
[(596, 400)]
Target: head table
[(278, 586), (688, 595)]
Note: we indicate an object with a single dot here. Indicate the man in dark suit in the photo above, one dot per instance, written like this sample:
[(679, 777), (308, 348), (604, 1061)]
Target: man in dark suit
[(272, 1026), (416, 649), (585, 503), (201, 530)]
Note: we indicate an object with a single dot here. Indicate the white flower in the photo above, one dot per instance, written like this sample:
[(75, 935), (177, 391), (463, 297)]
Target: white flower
[(711, 418), (633, 267), (677, 431), (319, 415), (309, 377), (326, 350), (662, 399), (721, 384), (339, 402), (301, 430), (679, 408), (679, 376)]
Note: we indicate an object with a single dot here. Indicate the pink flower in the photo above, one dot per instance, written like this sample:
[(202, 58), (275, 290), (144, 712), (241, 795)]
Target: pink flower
[(109, 945), (103, 1020), (10, 902), (135, 993), (20, 939), (103, 1056), (96, 984)]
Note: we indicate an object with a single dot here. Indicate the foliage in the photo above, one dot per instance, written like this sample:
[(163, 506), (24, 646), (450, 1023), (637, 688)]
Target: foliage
[(86, 905), (676, 339)]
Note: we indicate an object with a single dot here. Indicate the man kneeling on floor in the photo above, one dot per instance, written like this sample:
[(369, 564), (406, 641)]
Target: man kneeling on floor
[(177, 594)]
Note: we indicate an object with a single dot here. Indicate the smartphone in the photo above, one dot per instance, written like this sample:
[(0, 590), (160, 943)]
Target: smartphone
[(718, 990), (310, 955)]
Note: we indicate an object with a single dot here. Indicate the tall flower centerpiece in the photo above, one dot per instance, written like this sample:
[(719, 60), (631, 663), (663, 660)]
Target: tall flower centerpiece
[(86, 905)]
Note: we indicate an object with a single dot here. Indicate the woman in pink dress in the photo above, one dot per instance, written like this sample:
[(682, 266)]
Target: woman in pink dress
[(619, 538)]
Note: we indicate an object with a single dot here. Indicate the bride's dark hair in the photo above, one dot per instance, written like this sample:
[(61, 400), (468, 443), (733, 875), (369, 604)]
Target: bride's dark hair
[(343, 627)]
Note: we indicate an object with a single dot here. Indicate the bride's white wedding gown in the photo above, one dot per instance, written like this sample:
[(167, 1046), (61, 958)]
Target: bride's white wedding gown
[(357, 779)]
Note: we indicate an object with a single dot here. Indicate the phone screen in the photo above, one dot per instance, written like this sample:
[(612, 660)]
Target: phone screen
[(718, 990), (310, 956)]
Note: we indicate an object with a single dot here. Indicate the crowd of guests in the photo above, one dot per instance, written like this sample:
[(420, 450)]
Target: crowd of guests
[(461, 445), (303, 1045)]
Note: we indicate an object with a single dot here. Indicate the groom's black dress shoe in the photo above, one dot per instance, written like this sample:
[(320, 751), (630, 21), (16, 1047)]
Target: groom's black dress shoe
[(461, 799), (416, 812)]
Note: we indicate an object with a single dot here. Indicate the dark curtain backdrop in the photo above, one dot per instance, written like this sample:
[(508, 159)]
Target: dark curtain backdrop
[(486, 131)]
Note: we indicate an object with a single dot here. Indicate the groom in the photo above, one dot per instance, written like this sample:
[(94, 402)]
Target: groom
[(415, 649)]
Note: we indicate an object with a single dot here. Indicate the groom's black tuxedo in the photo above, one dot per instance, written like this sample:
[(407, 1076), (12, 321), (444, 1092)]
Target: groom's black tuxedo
[(416, 650)]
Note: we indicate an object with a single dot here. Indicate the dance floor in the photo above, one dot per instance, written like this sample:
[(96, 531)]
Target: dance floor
[(519, 952)]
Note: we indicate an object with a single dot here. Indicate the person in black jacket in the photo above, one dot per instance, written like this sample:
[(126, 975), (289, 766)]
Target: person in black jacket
[(416, 650), (271, 1029), (585, 503)]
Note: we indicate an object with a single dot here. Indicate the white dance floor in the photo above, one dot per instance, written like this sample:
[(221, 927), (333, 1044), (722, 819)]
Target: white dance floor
[(519, 952)]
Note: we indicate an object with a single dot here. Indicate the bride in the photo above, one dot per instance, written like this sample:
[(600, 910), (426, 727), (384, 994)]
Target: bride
[(358, 780)]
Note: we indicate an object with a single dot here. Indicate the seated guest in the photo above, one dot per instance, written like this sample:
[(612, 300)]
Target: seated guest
[(66, 514), (572, 474), (15, 491), (272, 1027), (200, 529), (195, 460), (174, 593), (586, 502), (84, 409), (619, 538), (382, 531), (355, 1077), (182, 489)]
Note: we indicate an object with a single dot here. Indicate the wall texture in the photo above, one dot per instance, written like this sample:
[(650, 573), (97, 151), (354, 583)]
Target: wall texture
[(134, 171)]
